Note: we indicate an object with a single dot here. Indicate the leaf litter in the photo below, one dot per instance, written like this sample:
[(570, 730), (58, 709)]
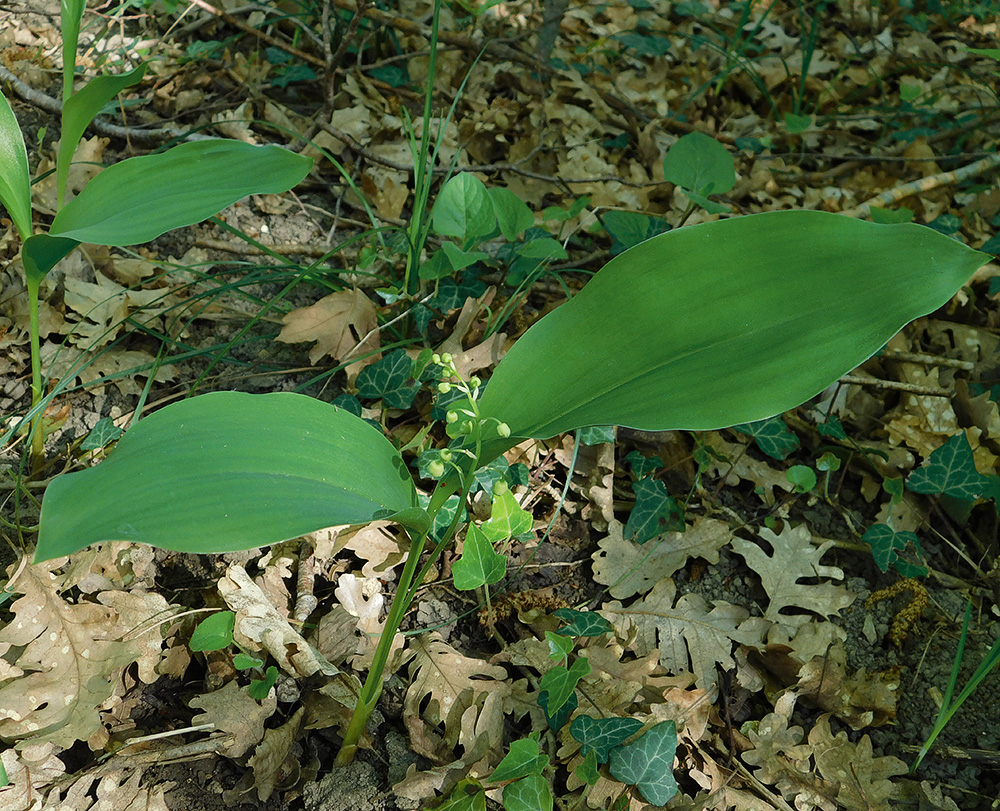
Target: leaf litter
[(748, 629)]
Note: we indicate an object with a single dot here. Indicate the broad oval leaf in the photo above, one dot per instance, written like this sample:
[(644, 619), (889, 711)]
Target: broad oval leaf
[(15, 183), (728, 322), (138, 199), (79, 110), (228, 471), (463, 209)]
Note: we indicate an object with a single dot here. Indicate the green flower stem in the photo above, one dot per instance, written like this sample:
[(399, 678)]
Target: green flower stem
[(372, 689), (37, 431), (409, 582)]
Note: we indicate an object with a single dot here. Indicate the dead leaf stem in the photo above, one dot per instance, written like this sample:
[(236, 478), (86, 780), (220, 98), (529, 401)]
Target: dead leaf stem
[(926, 184)]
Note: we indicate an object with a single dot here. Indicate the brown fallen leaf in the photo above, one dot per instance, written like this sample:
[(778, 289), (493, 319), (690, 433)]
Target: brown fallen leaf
[(631, 569), (343, 325), (794, 558), (232, 711), (70, 655), (690, 634), (269, 757)]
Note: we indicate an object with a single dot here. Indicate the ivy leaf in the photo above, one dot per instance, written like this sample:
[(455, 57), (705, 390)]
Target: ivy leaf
[(521, 760), (648, 763), (654, 513), (490, 474), (507, 520), (597, 435), (642, 466), (582, 623), (772, 436), (468, 795), (530, 794), (560, 647), (949, 470), (601, 735), (887, 543), (101, 435), (557, 719), (480, 564), (560, 682), (387, 379), (833, 427), (587, 771)]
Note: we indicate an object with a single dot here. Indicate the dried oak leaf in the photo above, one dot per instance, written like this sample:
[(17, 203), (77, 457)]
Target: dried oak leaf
[(794, 558), (31, 771), (691, 634), (863, 781), (269, 757), (70, 655), (135, 610), (343, 325), (731, 460), (233, 712), (444, 686), (858, 699), (778, 749), (260, 625), (113, 792), (381, 549), (631, 569)]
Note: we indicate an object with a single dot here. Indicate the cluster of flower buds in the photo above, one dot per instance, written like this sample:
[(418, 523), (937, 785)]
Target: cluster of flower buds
[(462, 419)]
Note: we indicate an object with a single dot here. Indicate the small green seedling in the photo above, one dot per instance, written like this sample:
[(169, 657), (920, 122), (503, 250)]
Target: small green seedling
[(216, 633)]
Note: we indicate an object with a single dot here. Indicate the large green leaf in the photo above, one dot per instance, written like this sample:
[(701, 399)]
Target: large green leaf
[(728, 322), (227, 471), (138, 199), (80, 110), (15, 183)]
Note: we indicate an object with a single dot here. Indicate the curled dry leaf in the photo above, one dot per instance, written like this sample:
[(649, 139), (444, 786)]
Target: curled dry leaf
[(259, 625), (270, 756), (363, 600)]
